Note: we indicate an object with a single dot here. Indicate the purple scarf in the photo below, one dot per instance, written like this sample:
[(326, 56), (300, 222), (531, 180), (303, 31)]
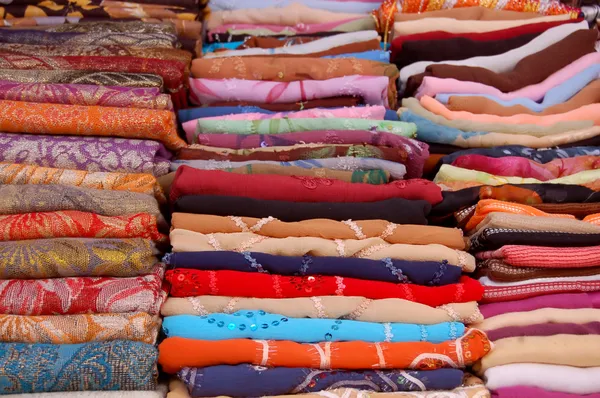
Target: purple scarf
[(575, 300)]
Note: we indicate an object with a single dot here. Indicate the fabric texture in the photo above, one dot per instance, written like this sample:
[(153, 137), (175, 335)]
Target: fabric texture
[(578, 300), (544, 329), (546, 257)]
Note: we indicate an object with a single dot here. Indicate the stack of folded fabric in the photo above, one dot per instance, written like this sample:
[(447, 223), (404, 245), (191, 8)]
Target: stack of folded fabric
[(272, 285), (83, 141)]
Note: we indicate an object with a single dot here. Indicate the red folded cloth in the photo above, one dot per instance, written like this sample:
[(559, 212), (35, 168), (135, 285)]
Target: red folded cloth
[(191, 282), (545, 257), (190, 181)]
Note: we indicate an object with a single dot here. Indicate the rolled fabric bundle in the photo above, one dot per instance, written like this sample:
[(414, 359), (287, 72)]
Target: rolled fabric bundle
[(499, 220), (347, 355), (493, 294), (55, 119), (329, 307), (208, 381), (574, 301), (545, 257), (190, 282), (119, 79), (100, 154), (370, 248), (501, 272), (61, 257), (486, 281), (75, 329), (81, 295), (324, 228), (189, 181), (21, 199), (77, 224), (491, 239), (126, 365), (387, 270), (541, 315), (562, 349), (394, 210), (544, 329), (267, 326), (40, 37), (20, 174)]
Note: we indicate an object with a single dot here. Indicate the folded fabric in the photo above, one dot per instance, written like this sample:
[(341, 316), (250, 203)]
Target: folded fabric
[(492, 238), (324, 228), (575, 301), (85, 94), (587, 112), (74, 329), (533, 89), (473, 13), (498, 220), (189, 181), (20, 174), (486, 281), (268, 326), (562, 349), (510, 76), (191, 282), (498, 272), (329, 307), (387, 270), (313, 47), (433, 129), (499, 63), (369, 248), (361, 112), (545, 257), (581, 381), (60, 257), (160, 393), (493, 294), (359, 7), (237, 30), (524, 392), (520, 167), (575, 92), (116, 365), (355, 164), (279, 126), (370, 55), (85, 153), (81, 295), (579, 210), (32, 36), (505, 128), (120, 79), (395, 210), (448, 173), (544, 329), (77, 224), (56, 119), (209, 381), (20, 199), (346, 355)]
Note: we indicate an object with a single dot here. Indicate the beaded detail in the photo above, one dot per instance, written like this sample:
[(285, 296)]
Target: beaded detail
[(387, 330), (319, 307), (397, 272), (354, 227), (339, 281), (438, 275), (253, 263), (197, 306), (358, 311), (424, 334)]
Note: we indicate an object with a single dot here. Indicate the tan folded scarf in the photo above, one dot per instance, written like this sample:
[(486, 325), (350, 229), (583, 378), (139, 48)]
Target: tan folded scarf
[(472, 388), (322, 228), (468, 14), (542, 315), (533, 223), (590, 94), (371, 248), (561, 349), (522, 129), (329, 307)]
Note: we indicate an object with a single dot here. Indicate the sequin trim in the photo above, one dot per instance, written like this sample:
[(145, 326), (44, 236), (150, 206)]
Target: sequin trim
[(214, 242), (389, 230), (340, 247), (339, 281), (197, 306), (354, 227), (319, 307), (387, 330), (306, 262), (438, 275), (424, 334), (230, 307), (253, 263), (358, 311), (397, 272), (212, 282)]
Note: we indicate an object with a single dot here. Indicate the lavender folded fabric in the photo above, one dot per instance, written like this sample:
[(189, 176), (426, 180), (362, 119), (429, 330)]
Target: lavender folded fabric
[(577, 300), (544, 329), (534, 392), (85, 94), (86, 153)]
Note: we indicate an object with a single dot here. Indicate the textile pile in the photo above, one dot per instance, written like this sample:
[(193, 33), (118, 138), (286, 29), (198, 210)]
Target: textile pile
[(490, 97), (85, 133)]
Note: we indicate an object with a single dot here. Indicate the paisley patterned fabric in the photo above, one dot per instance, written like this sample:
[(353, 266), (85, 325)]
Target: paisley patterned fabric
[(19, 174), (77, 224), (83, 77), (49, 258), (116, 365), (82, 295), (86, 153), (74, 329)]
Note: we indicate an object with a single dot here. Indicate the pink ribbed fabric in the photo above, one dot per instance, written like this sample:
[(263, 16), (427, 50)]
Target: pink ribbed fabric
[(593, 219), (432, 86), (493, 294), (546, 257), (587, 112)]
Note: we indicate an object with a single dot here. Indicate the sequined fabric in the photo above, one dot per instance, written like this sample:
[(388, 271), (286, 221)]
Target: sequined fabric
[(117, 365), (74, 329)]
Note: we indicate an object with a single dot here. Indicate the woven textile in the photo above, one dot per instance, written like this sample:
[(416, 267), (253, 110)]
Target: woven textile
[(77, 224), (116, 365), (74, 329), (546, 257), (83, 77), (80, 295), (61, 257)]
